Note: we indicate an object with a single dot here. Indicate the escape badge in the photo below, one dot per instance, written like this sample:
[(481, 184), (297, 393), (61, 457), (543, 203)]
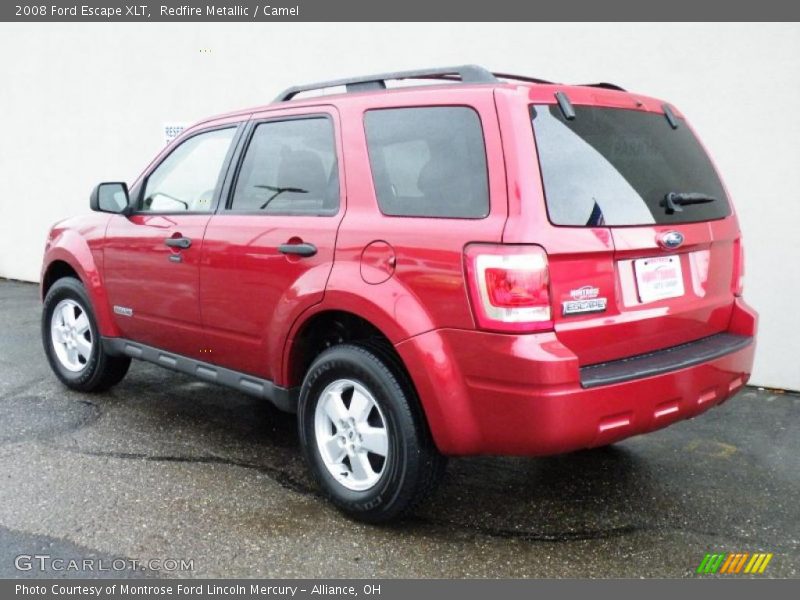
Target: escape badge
[(584, 300)]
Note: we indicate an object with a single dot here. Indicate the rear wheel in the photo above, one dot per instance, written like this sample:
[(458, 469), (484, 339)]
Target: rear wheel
[(364, 436), (72, 342)]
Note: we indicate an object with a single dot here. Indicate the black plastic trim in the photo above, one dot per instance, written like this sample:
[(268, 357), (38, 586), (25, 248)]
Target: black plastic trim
[(94, 198), (523, 78), (604, 85), (283, 398), (464, 73), (565, 105), (670, 116), (663, 361)]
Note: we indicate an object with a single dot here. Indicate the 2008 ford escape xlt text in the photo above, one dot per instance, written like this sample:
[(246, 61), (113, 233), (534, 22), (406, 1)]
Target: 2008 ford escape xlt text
[(480, 264)]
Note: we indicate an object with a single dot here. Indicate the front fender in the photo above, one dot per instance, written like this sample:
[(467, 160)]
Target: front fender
[(68, 246)]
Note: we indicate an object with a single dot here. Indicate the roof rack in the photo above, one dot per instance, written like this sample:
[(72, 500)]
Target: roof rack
[(526, 79), (605, 85), (523, 78), (463, 73)]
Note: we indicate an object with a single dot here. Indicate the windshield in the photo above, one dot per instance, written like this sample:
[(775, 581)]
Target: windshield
[(610, 166)]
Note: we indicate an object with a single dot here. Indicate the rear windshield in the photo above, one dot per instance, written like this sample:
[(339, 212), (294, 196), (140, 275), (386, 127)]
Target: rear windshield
[(611, 167)]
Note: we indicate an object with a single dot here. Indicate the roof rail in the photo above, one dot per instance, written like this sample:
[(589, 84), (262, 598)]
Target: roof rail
[(605, 85), (523, 78), (526, 79), (463, 73)]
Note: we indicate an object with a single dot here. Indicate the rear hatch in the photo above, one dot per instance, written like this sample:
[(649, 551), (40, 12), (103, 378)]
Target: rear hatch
[(643, 255)]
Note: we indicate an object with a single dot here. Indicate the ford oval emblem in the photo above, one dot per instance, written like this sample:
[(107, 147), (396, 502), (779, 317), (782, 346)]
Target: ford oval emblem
[(670, 239)]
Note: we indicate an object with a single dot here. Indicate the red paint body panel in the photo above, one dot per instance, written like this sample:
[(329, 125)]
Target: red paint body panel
[(78, 242), (234, 300), (252, 294), (163, 295), (488, 393), (428, 251)]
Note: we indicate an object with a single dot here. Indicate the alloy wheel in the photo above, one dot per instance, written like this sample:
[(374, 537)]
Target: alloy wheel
[(71, 335), (351, 434)]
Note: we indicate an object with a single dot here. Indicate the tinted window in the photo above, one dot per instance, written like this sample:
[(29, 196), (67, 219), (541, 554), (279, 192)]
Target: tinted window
[(428, 162), (289, 168), (614, 167), (187, 179)]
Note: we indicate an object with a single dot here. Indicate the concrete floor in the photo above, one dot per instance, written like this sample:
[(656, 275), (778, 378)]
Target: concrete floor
[(167, 467)]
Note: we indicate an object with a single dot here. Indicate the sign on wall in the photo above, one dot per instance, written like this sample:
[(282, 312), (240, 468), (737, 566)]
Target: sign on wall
[(172, 130)]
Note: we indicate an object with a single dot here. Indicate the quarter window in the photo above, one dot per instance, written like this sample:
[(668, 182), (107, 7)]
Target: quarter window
[(290, 167), (187, 180), (428, 161)]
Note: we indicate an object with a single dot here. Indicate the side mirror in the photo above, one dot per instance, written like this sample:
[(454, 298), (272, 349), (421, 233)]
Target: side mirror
[(110, 197)]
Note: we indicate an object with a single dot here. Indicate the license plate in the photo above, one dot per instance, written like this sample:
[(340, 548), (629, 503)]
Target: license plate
[(658, 278)]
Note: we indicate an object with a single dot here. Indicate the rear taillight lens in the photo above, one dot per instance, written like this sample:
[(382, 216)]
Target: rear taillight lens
[(738, 268), (509, 287)]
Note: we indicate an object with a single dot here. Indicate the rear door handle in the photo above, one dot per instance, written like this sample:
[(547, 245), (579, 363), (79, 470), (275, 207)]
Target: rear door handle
[(302, 249), (178, 242)]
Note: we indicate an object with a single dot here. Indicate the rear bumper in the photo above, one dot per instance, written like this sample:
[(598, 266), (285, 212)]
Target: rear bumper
[(487, 393)]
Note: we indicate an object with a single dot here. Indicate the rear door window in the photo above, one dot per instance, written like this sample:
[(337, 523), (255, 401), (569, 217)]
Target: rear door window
[(428, 161), (290, 168), (610, 166)]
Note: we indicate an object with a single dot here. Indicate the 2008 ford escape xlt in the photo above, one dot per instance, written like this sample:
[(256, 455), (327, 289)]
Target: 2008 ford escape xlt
[(485, 264)]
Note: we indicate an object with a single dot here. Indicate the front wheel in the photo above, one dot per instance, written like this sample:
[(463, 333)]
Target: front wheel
[(364, 435), (72, 341)]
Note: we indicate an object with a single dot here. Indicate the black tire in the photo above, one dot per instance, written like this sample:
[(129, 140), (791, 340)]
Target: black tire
[(101, 370), (413, 466)]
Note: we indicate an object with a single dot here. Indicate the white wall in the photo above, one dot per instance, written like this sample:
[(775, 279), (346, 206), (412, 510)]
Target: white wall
[(86, 102)]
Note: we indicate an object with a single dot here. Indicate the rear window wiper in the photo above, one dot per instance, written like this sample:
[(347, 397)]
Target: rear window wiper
[(674, 201)]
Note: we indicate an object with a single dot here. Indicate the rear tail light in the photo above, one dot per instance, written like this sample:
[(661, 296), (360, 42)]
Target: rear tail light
[(738, 268), (509, 287)]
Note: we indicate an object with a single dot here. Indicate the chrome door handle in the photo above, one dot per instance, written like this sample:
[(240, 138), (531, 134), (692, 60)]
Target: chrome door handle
[(178, 242), (303, 249)]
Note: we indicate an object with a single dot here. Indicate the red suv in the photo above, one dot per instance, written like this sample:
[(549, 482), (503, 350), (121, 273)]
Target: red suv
[(487, 264)]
